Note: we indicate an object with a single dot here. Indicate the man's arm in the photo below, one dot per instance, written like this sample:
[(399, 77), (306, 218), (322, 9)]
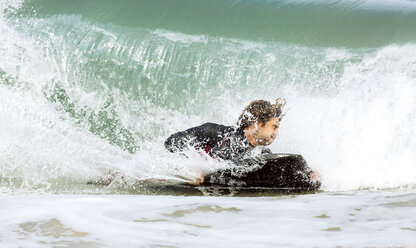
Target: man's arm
[(179, 141), (196, 137)]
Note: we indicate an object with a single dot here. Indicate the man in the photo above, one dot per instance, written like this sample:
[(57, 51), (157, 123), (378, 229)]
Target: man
[(258, 125)]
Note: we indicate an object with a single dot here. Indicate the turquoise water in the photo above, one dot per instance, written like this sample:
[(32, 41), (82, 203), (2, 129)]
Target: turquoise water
[(89, 87)]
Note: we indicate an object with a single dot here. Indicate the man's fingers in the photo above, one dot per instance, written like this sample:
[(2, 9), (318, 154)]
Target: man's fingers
[(315, 176), (198, 180)]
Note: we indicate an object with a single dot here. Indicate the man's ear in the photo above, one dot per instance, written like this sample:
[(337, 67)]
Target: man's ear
[(259, 124)]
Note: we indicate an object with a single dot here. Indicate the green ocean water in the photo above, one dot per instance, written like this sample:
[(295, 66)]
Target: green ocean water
[(353, 23)]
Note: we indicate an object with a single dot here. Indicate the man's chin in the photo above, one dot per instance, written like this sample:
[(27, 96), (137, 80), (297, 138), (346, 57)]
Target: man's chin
[(264, 142)]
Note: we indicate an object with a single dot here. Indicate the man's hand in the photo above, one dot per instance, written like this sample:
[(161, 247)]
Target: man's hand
[(197, 180)]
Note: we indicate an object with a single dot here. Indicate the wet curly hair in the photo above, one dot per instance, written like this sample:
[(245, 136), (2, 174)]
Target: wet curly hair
[(261, 111)]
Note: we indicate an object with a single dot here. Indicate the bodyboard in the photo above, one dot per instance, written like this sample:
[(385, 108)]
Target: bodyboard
[(268, 174), (284, 171)]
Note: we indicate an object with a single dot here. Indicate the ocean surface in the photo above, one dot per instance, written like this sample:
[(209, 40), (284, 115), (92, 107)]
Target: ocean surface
[(92, 88)]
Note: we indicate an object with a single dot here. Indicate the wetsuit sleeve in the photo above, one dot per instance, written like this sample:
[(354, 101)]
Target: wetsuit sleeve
[(197, 137), (178, 142)]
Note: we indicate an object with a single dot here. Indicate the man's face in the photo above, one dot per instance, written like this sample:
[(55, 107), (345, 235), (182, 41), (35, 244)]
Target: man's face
[(266, 133)]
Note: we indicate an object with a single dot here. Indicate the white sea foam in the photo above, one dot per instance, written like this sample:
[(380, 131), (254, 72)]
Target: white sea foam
[(364, 135), (379, 219), (180, 37)]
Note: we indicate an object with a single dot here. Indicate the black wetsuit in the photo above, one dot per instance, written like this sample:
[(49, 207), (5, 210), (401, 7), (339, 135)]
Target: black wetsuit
[(218, 141)]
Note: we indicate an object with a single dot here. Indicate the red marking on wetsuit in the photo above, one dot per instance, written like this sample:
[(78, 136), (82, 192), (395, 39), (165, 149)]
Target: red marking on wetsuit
[(207, 149)]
